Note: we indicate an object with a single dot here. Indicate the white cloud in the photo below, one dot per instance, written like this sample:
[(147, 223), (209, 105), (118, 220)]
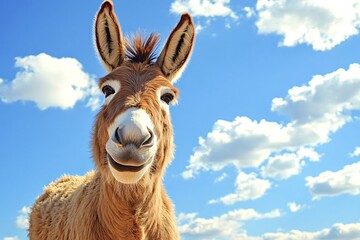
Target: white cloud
[(294, 207), (337, 231), (248, 187), (199, 28), (11, 238), (321, 24), (344, 181), (250, 12), (22, 220), (324, 98), (242, 143), (93, 95), (50, 82), (221, 178), (356, 152), (226, 226), (229, 227), (288, 164), (204, 8), (317, 109)]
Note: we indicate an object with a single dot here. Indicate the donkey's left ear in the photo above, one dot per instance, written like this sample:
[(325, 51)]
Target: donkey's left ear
[(177, 50)]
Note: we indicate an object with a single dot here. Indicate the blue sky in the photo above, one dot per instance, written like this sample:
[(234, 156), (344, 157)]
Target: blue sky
[(267, 126)]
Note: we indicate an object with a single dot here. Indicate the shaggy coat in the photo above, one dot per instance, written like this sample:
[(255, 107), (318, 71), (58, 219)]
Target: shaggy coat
[(97, 206)]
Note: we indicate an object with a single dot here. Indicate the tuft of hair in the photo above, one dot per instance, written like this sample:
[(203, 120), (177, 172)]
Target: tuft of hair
[(140, 50)]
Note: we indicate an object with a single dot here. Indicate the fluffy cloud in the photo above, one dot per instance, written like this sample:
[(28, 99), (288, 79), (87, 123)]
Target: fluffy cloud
[(221, 178), (337, 231), (356, 152), (288, 164), (204, 8), (242, 143), (321, 24), (226, 226), (22, 221), (248, 187), (294, 207), (324, 98), (11, 238), (317, 109), (249, 12), (344, 181), (50, 82)]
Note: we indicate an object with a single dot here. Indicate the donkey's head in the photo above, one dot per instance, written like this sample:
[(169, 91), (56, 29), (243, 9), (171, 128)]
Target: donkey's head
[(133, 133)]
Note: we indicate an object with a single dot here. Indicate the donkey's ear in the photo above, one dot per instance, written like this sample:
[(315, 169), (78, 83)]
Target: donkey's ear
[(108, 37), (176, 52)]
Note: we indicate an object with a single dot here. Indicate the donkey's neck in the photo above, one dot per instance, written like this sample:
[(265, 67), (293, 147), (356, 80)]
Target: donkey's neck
[(131, 210)]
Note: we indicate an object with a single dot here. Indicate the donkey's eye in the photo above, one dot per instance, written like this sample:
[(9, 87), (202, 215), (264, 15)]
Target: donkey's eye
[(107, 90), (167, 97)]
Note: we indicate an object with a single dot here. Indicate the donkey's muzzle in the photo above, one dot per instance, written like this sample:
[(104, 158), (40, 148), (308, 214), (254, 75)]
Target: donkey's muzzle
[(132, 143), (129, 149)]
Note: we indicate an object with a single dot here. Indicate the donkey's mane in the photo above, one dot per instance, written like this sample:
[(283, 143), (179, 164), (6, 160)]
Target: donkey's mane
[(140, 49)]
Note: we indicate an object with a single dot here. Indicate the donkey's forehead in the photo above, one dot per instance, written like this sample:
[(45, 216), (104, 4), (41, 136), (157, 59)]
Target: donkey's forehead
[(133, 72)]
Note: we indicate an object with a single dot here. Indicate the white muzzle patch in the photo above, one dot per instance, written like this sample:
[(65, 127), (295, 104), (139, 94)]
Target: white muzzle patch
[(129, 162)]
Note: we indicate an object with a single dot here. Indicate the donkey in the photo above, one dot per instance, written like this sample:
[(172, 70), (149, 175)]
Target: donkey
[(132, 144)]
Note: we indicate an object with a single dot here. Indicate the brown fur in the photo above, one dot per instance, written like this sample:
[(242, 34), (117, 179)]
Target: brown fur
[(96, 206)]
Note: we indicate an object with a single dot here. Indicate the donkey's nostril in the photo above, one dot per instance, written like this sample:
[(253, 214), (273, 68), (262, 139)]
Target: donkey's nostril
[(117, 135), (148, 140)]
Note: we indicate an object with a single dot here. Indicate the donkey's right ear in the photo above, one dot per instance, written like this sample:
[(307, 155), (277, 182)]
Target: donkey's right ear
[(108, 37)]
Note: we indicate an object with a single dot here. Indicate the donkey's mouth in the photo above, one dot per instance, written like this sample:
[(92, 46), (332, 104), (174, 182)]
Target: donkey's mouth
[(125, 168)]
